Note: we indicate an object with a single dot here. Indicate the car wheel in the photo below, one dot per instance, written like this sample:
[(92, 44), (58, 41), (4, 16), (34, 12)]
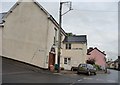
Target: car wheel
[(71, 69), (78, 73), (94, 73), (89, 73)]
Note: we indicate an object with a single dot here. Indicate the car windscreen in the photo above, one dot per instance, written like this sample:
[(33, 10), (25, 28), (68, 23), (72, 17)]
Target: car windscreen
[(90, 66), (83, 65)]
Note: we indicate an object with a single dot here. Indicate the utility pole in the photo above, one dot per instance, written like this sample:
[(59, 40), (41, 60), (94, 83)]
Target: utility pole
[(59, 32)]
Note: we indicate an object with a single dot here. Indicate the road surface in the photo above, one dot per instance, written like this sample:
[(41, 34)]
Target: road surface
[(15, 72)]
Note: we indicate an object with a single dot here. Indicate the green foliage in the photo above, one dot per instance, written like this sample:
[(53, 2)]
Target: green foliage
[(97, 67), (69, 34), (91, 61)]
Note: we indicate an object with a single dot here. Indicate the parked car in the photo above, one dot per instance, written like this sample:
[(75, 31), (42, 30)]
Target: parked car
[(74, 68), (86, 68)]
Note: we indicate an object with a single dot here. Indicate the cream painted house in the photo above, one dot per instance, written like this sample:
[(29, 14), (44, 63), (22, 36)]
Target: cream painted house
[(30, 33), (73, 51)]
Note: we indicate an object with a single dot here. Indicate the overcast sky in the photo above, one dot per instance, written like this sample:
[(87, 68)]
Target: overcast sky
[(98, 19)]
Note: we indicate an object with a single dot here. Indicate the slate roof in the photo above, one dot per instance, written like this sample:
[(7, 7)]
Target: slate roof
[(91, 49), (76, 39), (116, 60), (1, 17)]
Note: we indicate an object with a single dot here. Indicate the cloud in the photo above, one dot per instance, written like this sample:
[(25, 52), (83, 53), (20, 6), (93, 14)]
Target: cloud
[(97, 19), (100, 24)]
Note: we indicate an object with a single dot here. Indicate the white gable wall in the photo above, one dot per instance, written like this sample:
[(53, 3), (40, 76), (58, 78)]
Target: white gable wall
[(50, 40), (0, 40), (25, 34)]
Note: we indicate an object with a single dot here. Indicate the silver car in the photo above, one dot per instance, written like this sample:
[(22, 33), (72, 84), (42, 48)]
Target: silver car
[(86, 68)]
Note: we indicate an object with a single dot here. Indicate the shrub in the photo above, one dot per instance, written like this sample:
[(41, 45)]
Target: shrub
[(91, 61), (97, 67)]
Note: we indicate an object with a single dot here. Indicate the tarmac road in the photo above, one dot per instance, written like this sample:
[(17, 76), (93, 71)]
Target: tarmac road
[(15, 72)]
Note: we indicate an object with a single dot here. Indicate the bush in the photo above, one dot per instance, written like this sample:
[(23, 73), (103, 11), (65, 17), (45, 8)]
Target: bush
[(97, 67), (91, 61)]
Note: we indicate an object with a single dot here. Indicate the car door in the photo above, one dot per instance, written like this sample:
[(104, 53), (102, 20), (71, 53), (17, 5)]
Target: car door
[(83, 68), (91, 68)]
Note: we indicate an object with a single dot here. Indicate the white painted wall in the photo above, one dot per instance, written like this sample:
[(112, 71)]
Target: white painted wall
[(0, 40), (28, 35), (25, 34), (50, 40)]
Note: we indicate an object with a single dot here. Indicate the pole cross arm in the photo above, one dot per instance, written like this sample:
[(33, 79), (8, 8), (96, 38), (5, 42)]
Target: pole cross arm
[(65, 2), (66, 12)]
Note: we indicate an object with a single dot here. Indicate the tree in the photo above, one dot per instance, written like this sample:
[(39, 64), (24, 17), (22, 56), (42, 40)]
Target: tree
[(69, 34), (91, 61)]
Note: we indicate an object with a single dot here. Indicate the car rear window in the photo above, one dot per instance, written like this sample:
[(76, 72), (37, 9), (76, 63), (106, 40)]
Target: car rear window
[(83, 65)]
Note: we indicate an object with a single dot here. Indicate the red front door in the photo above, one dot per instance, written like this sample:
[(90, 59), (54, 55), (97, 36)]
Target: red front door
[(51, 60)]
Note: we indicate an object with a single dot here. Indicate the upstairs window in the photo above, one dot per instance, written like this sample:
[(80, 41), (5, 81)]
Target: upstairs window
[(68, 46), (55, 36)]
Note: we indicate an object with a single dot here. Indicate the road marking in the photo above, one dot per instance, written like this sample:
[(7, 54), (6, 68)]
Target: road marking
[(72, 83), (80, 80), (87, 78), (111, 81), (57, 73), (99, 79), (16, 73)]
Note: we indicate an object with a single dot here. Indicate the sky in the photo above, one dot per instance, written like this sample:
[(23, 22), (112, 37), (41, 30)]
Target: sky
[(98, 19)]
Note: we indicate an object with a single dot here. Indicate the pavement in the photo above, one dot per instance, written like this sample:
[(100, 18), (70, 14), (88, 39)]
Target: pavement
[(16, 72), (75, 72), (68, 72)]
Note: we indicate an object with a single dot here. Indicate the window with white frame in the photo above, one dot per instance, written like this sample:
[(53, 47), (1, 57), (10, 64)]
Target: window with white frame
[(68, 46), (67, 61)]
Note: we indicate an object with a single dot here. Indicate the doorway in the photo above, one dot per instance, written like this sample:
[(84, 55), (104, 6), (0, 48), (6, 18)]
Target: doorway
[(51, 60)]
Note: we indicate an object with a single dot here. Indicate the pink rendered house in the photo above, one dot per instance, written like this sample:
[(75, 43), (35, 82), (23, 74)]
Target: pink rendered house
[(99, 56)]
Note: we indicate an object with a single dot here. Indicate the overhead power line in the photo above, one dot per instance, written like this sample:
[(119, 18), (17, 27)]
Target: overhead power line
[(94, 10)]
